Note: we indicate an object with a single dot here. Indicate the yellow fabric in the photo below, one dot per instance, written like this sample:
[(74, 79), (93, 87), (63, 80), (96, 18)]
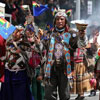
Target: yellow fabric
[(82, 78)]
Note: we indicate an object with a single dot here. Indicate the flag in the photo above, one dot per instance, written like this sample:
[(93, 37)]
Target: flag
[(69, 12), (35, 4), (47, 27), (54, 10), (38, 9), (2, 21), (6, 29)]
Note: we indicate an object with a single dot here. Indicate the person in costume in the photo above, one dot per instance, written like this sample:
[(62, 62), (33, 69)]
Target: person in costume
[(17, 83), (73, 41), (35, 61), (91, 52), (58, 68), (97, 62), (97, 70), (82, 76)]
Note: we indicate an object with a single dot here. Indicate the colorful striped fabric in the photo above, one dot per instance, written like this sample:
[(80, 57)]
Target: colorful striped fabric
[(34, 4), (7, 25), (69, 12), (6, 28), (67, 70), (50, 57), (2, 21), (54, 10), (67, 37), (78, 55)]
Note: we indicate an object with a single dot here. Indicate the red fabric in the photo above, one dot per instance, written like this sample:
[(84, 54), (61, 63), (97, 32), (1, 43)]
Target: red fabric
[(2, 53), (66, 29), (72, 58), (93, 82), (78, 55), (34, 61), (99, 52)]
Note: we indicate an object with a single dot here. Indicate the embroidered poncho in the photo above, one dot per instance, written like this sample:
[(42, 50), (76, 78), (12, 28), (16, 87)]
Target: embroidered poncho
[(66, 38)]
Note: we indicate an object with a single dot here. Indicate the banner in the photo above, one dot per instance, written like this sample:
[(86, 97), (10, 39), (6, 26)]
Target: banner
[(6, 29), (38, 9)]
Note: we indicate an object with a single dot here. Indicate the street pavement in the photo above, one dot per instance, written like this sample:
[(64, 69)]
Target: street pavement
[(73, 96)]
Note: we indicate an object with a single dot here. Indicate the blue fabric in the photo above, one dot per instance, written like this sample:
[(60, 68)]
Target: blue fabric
[(50, 55), (39, 10), (30, 27), (6, 29), (16, 86)]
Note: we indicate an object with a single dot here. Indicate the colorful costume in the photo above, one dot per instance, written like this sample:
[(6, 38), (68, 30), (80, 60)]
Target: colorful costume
[(35, 54), (58, 67), (37, 88), (58, 46), (16, 84), (81, 74)]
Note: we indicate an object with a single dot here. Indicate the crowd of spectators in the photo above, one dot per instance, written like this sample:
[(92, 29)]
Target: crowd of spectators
[(15, 8)]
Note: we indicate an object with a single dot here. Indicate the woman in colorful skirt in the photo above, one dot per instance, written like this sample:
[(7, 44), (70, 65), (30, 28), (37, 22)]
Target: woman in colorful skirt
[(81, 76)]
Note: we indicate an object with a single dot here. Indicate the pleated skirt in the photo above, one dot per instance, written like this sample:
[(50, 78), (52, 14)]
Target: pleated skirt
[(81, 79)]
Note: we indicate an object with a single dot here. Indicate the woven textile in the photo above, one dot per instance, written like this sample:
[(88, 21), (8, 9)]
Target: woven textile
[(66, 53)]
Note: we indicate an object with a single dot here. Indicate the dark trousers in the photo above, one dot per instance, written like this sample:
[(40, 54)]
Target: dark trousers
[(58, 79), (37, 88)]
